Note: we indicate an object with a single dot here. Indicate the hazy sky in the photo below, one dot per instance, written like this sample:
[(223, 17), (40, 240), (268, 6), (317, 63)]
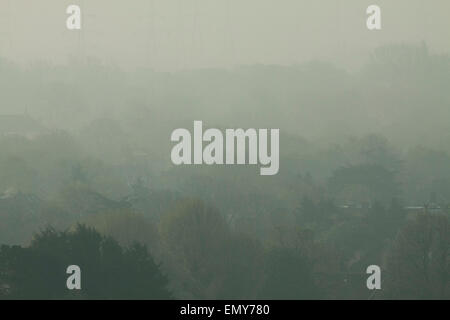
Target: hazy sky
[(174, 34)]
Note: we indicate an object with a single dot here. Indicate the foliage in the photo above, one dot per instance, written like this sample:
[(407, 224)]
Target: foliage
[(108, 270)]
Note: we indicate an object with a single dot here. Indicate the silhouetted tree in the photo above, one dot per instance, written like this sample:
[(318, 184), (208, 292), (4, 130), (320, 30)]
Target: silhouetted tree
[(108, 271)]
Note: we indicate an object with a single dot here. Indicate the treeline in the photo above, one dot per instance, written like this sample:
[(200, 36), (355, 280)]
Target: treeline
[(193, 253)]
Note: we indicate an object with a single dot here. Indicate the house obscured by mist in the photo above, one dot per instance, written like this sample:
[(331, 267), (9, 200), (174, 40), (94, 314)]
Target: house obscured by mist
[(20, 125)]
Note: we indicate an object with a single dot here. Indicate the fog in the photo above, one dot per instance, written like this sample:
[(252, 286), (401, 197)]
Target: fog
[(171, 35), (86, 174)]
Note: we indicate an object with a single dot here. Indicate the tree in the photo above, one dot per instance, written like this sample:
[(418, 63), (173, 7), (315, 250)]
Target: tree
[(194, 236), (204, 258), (419, 260), (364, 182), (126, 227), (288, 275), (108, 271)]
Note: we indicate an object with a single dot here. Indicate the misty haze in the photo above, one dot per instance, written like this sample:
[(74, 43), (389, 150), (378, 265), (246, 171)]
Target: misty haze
[(86, 174)]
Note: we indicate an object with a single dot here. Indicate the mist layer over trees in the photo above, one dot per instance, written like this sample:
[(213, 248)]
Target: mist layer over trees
[(85, 175)]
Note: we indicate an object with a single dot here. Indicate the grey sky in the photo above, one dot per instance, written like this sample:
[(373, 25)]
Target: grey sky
[(177, 34)]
